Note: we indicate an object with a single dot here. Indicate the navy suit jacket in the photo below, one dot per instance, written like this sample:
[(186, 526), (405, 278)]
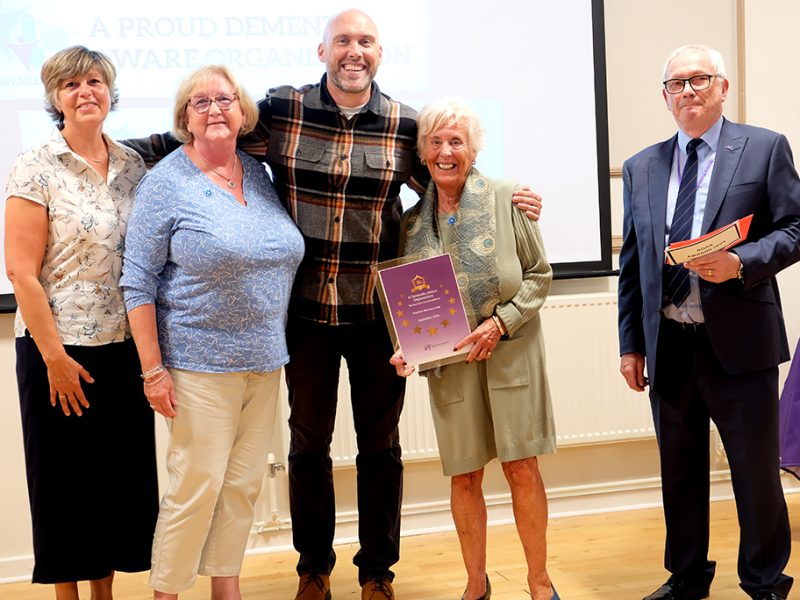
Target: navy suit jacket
[(753, 173)]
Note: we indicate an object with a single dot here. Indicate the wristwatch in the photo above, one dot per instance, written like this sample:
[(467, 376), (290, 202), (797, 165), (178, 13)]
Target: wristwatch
[(740, 272)]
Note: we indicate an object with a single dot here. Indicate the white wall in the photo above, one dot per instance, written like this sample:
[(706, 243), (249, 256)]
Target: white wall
[(773, 89), (15, 522)]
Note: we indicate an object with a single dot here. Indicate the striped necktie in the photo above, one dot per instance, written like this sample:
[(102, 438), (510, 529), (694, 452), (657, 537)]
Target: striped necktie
[(676, 277)]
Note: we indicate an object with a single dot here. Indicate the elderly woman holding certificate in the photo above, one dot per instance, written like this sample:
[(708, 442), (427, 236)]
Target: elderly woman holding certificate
[(496, 403)]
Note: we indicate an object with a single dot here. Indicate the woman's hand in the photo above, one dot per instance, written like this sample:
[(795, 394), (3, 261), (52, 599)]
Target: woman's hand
[(64, 375), (158, 386), (160, 392), (485, 338), (27, 232), (403, 369)]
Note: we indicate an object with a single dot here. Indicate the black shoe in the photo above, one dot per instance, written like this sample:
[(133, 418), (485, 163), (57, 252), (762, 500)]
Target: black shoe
[(677, 588), (763, 595), (486, 595)]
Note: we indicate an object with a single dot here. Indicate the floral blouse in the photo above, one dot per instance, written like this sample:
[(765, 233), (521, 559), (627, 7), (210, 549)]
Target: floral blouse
[(88, 219)]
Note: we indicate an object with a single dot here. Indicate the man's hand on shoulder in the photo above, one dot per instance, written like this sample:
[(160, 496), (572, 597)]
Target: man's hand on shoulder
[(529, 202), (631, 365)]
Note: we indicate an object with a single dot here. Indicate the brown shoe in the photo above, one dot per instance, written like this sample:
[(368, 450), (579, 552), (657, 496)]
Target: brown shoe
[(377, 589), (314, 586)]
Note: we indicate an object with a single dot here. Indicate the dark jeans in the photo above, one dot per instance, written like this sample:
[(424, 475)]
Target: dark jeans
[(376, 394)]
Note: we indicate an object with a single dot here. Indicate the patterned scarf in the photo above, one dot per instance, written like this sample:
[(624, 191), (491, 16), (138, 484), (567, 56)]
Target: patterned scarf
[(472, 243)]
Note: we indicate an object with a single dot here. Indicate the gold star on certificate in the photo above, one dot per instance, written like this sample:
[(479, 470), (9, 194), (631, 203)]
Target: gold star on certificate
[(404, 323), (400, 313), (417, 329), (445, 323), (447, 292), (399, 303), (452, 300), (432, 331), (452, 311)]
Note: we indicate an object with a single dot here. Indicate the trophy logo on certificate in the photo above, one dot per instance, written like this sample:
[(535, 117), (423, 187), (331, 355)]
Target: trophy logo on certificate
[(423, 309)]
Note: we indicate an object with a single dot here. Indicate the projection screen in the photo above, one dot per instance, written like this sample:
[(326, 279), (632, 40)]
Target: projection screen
[(534, 71)]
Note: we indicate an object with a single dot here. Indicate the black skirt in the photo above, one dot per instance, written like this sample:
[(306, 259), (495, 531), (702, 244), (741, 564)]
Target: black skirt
[(92, 480)]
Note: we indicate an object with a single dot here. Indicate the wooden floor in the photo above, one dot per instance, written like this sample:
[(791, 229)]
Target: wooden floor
[(597, 557)]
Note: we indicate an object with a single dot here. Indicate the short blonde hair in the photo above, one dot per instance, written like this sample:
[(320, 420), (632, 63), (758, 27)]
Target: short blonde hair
[(192, 82), (446, 112), (74, 62)]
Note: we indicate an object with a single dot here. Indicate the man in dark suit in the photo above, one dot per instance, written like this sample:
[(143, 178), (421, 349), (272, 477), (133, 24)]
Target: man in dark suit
[(711, 330)]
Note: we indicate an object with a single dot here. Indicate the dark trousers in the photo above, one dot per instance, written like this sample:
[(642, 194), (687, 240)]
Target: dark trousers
[(691, 388), (91, 479), (376, 394)]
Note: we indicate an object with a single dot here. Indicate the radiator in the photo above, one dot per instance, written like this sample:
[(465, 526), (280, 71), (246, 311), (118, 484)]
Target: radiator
[(591, 402)]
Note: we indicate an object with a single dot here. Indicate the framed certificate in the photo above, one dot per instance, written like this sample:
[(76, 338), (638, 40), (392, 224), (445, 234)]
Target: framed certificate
[(423, 309)]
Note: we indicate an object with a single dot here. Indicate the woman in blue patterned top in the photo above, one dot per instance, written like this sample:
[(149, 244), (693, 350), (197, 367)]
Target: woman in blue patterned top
[(209, 263)]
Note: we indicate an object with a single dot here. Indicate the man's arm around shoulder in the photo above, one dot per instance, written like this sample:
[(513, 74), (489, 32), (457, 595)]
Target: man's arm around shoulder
[(154, 147)]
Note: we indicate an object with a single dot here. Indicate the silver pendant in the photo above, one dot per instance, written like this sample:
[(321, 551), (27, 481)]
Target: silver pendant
[(231, 184)]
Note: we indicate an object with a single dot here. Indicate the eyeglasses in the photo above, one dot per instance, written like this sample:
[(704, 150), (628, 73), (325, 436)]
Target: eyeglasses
[(697, 82), (201, 105)]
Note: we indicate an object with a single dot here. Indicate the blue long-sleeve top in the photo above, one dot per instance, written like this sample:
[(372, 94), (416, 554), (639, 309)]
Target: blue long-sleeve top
[(219, 273)]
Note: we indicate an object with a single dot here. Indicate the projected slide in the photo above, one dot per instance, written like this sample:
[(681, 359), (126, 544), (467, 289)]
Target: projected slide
[(528, 68)]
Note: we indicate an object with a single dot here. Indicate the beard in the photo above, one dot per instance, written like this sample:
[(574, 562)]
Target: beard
[(351, 86)]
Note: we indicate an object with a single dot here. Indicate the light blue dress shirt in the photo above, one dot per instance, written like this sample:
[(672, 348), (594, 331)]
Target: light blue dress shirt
[(691, 311), (220, 274)]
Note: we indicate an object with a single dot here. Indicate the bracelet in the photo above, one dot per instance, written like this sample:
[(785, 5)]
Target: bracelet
[(154, 371), (158, 378), (500, 325)]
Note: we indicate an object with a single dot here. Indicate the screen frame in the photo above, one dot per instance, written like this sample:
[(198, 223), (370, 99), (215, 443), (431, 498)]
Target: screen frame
[(601, 267)]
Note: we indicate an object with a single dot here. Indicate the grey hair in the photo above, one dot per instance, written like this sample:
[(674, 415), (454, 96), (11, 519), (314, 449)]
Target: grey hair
[(444, 112), (716, 59)]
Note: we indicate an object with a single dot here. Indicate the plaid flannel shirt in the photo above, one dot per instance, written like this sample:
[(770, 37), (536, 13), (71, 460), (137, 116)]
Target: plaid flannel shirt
[(340, 181)]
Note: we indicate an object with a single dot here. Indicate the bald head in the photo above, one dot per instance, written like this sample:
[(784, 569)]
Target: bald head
[(348, 15), (352, 54)]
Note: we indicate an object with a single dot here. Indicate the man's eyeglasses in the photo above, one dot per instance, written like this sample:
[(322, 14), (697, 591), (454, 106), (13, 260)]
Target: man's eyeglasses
[(697, 82), (202, 104)]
